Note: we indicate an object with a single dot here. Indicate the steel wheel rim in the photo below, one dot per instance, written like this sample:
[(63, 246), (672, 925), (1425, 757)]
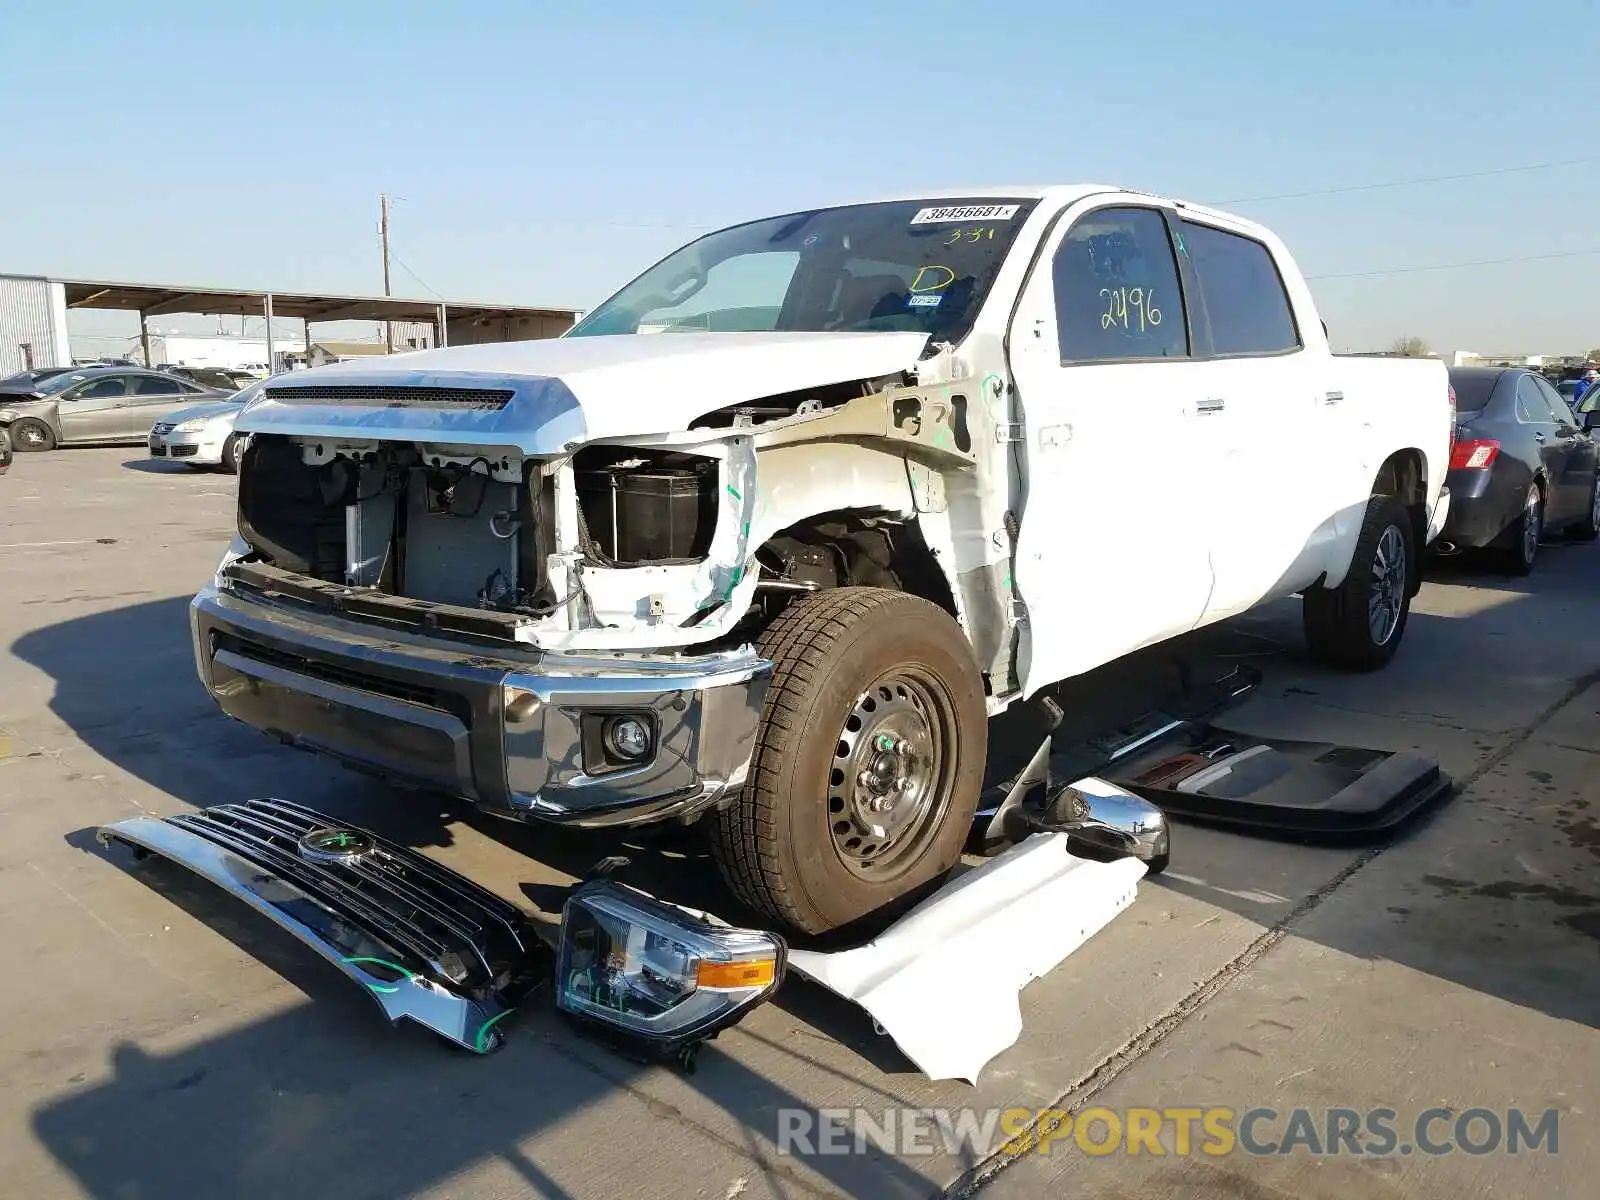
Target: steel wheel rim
[(1530, 528), (1387, 594), (892, 774), (30, 435)]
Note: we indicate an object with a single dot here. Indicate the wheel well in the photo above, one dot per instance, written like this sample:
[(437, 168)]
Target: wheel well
[(1404, 475), (840, 549)]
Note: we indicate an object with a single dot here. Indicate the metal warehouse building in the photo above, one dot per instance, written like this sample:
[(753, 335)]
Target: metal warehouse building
[(33, 324), (33, 314)]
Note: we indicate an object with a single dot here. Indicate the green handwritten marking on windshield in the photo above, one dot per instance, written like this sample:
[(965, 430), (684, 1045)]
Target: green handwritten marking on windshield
[(480, 1043), (385, 988), (996, 380), (734, 492), (1006, 582)]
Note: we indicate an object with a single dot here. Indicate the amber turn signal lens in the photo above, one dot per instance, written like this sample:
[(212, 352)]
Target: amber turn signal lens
[(750, 974)]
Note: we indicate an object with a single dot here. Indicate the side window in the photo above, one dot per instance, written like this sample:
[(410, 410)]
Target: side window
[(1532, 408), (1116, 289), (1559, 409), (1243, 293), (102, 389), (149, 385)]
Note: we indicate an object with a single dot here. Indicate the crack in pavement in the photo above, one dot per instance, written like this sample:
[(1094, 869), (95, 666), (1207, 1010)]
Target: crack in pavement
[(1135, 1048)]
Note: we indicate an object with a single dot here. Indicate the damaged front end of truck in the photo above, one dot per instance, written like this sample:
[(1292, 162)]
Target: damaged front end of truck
[(495, 585)]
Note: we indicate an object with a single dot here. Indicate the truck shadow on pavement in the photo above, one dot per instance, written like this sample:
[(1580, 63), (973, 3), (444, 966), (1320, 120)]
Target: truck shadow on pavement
[(322, 1098)]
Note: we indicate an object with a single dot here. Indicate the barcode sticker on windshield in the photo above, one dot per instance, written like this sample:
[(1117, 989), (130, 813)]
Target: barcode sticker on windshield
[(965, 212)]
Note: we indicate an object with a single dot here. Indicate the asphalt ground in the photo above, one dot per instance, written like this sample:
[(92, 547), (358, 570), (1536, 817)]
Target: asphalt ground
[(156, 1039)]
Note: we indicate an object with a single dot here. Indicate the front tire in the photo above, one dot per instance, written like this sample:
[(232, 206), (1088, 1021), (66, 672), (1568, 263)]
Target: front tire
[(1358, 625), (32, 436), (866, 773), (230, 455)]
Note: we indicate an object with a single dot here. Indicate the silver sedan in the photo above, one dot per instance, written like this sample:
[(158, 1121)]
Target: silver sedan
[(202, 435)]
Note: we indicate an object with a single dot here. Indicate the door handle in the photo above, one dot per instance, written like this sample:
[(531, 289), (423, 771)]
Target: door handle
[(1210, 405), (1537, 436), (1332, 397)]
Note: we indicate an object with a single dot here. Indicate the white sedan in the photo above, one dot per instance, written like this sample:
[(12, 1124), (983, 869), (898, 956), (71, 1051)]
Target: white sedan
[(202, 436)]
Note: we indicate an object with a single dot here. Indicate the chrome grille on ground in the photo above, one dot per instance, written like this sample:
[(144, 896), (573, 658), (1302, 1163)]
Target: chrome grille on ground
[(442, 922)]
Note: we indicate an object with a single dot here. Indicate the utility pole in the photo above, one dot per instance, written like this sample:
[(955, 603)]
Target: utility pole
[(383, 231)]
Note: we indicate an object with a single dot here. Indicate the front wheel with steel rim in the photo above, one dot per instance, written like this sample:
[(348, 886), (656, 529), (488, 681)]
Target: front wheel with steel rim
[(1520, 548), (868, 761), (32, 436), (1358, 625)]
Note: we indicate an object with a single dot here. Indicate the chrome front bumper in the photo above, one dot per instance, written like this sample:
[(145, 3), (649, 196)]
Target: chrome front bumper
[(514, 735)]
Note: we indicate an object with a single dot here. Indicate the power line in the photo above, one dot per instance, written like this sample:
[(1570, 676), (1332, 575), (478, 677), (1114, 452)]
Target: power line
[(402, 264), (1395, 183), (1482, 262)]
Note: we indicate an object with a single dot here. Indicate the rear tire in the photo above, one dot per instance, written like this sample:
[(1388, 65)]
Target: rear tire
[(32, 436), (1519, 549), (868, 764), (1587, 528), (1358, 625)]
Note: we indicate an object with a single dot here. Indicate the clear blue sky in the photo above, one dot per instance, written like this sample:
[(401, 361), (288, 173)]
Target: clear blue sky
[(545, 152)]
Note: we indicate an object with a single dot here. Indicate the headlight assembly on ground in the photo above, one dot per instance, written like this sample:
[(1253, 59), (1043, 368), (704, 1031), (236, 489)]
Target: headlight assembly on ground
[(655, 979)]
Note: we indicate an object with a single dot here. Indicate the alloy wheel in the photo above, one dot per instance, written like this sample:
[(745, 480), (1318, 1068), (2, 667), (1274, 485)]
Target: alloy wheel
[(1386, 596)]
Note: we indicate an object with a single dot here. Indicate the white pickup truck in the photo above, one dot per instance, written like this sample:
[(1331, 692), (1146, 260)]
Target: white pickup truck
[(765, 539)]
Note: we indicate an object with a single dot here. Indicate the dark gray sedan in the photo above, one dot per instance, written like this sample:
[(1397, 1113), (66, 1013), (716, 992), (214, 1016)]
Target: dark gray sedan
[(1523, 465), (94, 405)]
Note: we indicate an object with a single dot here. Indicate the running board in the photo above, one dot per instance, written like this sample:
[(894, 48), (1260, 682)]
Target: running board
[(1176, 758), (427, 944)]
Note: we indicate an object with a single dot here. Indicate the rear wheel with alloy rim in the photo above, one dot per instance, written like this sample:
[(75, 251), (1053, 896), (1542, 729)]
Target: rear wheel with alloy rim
[(1588, 528), (1520, 547), (1357, 626)]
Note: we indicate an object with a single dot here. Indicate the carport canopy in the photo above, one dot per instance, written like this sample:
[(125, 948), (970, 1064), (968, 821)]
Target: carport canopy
[(154, 300)]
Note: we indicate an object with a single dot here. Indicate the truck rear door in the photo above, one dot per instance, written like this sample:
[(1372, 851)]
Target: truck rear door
[(1286, 428), (1111, 553)]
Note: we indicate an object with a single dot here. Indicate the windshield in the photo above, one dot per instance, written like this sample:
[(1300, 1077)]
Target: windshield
[(917, 265), (60, 383)]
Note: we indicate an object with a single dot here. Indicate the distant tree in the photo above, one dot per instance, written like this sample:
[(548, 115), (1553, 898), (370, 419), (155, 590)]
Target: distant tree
[(1409, 347)]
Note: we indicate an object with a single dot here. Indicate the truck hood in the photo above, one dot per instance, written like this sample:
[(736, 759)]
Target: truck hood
[(545, 397)]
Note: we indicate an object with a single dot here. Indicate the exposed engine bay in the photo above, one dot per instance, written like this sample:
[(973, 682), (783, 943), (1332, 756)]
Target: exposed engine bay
[(675, 534)]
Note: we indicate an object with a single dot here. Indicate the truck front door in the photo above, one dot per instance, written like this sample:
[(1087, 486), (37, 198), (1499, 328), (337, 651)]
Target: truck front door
[(1112, 552)]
